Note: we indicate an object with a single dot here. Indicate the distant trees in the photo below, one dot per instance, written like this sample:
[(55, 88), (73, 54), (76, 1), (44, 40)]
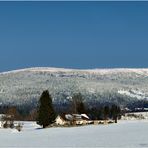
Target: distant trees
[(115, 112), (46, 114), (106, 112), (95, 113), (11, 115), (32, 115), (78, 106)]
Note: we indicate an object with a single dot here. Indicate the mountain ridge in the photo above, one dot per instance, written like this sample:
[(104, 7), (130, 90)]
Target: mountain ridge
[(73, 69)]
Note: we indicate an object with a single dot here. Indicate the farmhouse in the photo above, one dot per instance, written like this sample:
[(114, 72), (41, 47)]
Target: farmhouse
[(63, 119), (72, 119)]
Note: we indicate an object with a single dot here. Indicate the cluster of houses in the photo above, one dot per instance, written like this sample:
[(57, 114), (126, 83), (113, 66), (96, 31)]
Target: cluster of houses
[(77, 119), (71, 120)]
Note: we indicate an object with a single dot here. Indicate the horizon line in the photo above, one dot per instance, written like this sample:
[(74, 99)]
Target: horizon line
[(77, 69)]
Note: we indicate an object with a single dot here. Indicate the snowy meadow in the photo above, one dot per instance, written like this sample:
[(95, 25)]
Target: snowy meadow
[(122, 134)]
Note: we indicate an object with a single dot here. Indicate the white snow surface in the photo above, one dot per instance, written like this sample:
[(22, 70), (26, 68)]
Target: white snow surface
[(123, 134)]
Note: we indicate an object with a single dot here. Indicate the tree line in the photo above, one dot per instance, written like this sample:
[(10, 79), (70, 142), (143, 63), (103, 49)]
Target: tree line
[(45, 113)]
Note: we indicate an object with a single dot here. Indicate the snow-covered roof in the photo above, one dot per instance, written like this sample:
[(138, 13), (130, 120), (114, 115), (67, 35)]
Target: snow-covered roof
[(70, 117), (84, 115)]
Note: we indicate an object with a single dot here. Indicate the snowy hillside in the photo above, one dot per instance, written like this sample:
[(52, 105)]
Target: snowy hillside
[(106, 85)]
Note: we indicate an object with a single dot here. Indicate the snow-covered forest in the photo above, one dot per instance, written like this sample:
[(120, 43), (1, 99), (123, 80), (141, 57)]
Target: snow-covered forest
[(121, 86)]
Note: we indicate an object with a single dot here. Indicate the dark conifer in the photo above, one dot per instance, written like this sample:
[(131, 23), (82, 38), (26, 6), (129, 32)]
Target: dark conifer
[(46, 114)]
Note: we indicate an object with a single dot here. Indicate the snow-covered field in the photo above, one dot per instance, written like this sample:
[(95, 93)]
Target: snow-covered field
[(123, 134)]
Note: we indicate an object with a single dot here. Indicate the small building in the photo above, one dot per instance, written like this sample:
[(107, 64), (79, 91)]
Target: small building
[(81, 119), (72, 119), (61, 120)]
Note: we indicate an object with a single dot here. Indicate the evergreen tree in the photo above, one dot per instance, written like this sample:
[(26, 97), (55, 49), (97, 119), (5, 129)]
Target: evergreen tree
[(46, 114)]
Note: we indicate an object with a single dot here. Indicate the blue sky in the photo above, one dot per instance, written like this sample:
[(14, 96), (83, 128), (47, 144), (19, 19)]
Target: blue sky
[(73, 34)]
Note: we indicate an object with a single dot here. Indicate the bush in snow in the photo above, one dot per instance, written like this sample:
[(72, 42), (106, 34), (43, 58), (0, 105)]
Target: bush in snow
[(19, 127)]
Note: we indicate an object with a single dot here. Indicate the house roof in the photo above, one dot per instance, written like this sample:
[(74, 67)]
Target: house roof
[(65, 117), (70, 117), (85, 116)]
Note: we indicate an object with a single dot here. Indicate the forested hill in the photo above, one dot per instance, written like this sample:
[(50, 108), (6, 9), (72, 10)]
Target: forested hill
[(122, 86)]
